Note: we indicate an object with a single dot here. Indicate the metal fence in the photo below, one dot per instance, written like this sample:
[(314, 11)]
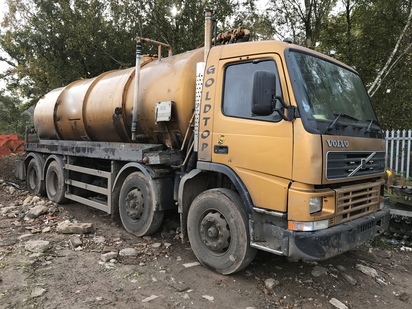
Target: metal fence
[(398, 151)]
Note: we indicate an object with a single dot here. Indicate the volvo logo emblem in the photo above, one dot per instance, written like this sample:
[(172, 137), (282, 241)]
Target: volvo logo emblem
[(362, 165), (337, 143)]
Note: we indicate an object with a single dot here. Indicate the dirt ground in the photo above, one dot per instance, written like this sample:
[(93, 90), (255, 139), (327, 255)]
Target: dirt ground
[(163, 273)]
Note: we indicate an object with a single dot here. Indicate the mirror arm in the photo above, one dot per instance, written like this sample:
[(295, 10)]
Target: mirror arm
[(290, 109)]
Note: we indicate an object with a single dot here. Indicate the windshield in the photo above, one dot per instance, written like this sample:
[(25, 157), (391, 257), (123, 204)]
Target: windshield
[(331, 98)]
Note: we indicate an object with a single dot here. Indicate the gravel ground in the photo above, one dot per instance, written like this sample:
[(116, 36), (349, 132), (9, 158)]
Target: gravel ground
[(44, 264)]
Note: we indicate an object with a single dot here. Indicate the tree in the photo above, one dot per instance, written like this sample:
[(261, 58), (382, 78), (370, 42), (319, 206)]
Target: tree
[(52, 43), (391, 62), (13, 120), (258, 23), (303, 19), (375, 37)]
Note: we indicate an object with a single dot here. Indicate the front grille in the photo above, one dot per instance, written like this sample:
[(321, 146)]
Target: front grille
[(344, 164), (356, 201)]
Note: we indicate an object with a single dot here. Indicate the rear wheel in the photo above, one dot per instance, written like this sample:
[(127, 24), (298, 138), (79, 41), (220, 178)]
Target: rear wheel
[(55, 186), (218, 231), (136, 207), (35, 184)]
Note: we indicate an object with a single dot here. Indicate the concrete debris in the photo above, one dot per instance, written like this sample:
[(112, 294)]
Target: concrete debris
[(156, 245), (67, 227), (319, 271), (209, 298), (36, 255), (5, 210), (150, 298), (37, 246), (271, 283), (41, 202), (187, 265), (369, 271), (35, 199), (99, 239), (27, 200), (37, 292), (406, 249), (381, 281), (109, 265), (75, 241), (21, 237), (128, 252), (338, 304), (349, 279), (105, 257), (46, 229), (37, 211)]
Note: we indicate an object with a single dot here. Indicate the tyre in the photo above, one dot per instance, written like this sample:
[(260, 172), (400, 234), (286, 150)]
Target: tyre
[(55, 186), (34, 183), (136, 207), (218, 231)]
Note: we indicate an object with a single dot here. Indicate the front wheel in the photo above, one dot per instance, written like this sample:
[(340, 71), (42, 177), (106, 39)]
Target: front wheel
[(136, 207), (217, 227)]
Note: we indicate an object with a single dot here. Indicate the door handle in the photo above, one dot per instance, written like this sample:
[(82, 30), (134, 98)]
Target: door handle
[(221, 149)]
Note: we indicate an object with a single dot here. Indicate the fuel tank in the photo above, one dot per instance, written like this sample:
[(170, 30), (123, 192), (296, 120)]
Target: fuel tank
[(100, 109)]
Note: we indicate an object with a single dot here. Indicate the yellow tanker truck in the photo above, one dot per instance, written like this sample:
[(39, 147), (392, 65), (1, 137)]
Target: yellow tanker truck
[(258, 145)]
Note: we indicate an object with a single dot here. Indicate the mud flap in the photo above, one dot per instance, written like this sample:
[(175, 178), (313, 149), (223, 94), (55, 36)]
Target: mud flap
[(20, 170)]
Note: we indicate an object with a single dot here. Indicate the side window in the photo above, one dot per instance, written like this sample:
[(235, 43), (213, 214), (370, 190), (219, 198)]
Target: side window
[(237, 93)]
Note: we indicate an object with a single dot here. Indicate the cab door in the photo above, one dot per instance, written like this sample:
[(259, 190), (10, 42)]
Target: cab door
[(257, 148)]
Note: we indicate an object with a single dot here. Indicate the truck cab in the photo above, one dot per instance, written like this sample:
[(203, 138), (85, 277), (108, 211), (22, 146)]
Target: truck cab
[(294, 133)]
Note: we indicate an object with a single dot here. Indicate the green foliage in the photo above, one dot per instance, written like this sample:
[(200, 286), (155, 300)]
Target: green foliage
[(13, 118), (52, 43), (302, 20), (364, 35)]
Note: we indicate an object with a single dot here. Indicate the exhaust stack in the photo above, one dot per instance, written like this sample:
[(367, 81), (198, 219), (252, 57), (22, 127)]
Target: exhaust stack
[(208, 31)]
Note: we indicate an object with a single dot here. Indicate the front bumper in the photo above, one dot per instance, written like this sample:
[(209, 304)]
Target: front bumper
[(324, 244)]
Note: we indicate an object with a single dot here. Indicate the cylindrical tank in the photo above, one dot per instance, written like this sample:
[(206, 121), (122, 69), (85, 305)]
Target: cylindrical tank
[(100, 109)]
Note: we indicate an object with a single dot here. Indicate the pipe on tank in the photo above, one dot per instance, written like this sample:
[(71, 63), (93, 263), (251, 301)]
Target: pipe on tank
[(159, 46), (137, 75), (208, 32), (136, 87)]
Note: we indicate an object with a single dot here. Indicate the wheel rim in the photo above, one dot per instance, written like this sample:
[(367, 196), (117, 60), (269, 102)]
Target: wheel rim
[(32, 179), (52, 183), (134, 204), (215, 232)]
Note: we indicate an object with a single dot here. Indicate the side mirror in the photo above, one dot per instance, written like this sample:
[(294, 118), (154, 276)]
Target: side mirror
[(263, 93)]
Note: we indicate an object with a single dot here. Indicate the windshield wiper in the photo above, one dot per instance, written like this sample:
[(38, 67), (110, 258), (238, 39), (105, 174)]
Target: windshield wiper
[(332, 125), (372, 121)]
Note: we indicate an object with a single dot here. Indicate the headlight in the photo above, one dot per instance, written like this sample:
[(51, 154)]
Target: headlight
[(308, 226), (315, 204)]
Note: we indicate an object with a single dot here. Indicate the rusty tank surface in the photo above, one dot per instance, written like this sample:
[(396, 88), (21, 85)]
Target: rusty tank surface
[(100, 109)]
